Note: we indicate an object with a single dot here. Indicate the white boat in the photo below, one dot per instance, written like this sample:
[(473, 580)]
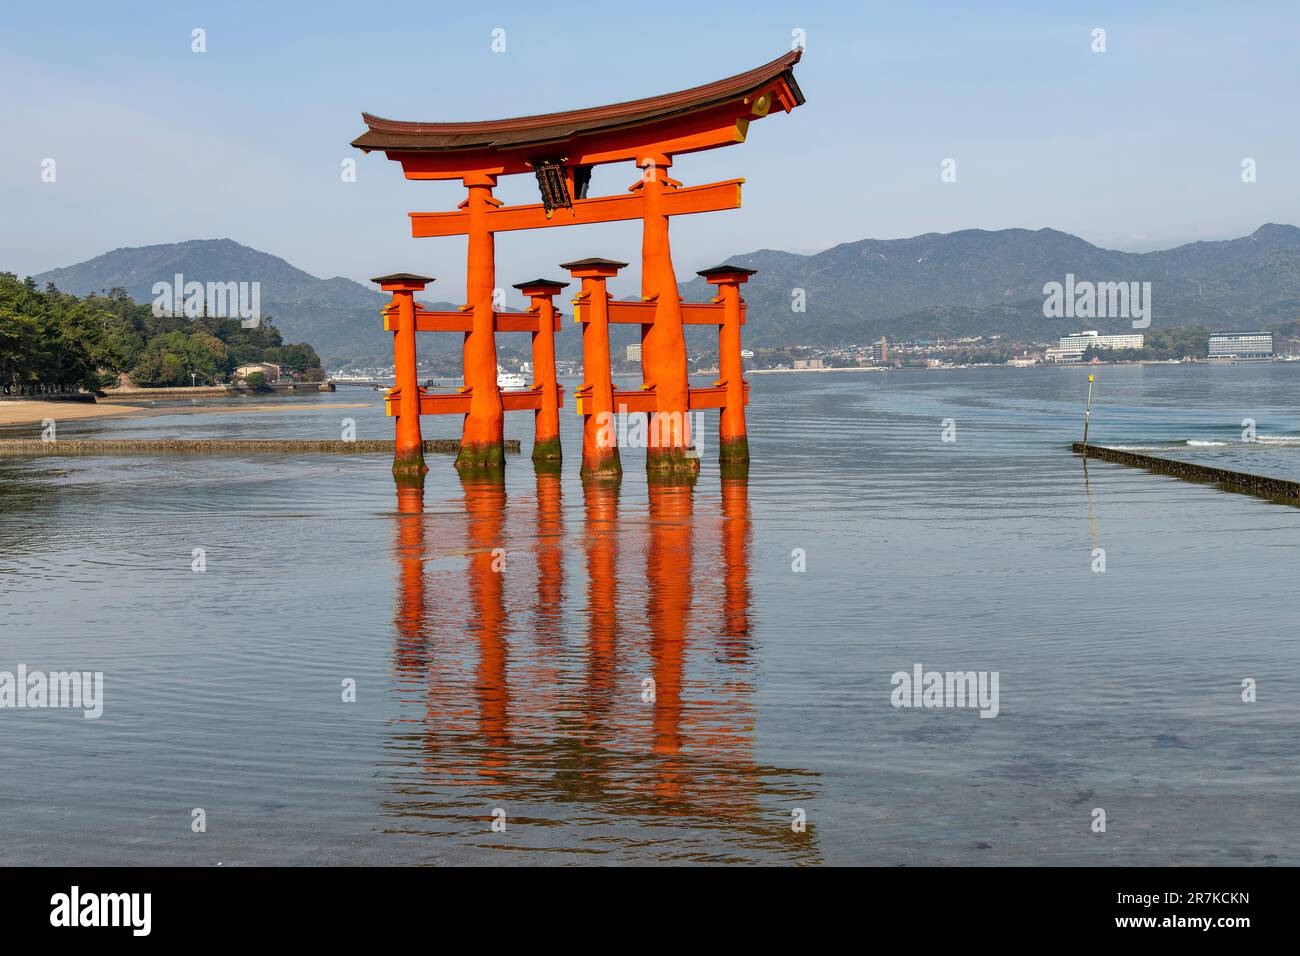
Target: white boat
[(510, 380)]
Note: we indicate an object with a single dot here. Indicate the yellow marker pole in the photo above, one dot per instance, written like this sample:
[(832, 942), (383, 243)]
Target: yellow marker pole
[(1087, 413)]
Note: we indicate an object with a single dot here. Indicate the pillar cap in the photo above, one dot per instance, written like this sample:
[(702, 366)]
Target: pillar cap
[(593, 268), (402, 282), (726, 272), (541, 284)]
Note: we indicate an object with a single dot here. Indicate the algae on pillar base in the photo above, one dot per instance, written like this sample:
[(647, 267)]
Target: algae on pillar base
[(547, 451), (603, 468), (668, 461), (733, 451), (410, 467), (485, 457)]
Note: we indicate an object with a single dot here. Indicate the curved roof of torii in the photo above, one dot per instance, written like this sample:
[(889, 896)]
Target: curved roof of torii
[(551, 128)]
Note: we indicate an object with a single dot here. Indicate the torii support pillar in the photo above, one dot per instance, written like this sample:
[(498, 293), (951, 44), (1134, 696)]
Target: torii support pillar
[(663, 343), (482, 445), (546, 419), (596, 397), (408, 452), (733, 441)]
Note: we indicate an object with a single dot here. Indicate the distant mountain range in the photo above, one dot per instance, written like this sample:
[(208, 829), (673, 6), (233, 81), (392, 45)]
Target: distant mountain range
[(337, 316), (973, 282), (978, 282)]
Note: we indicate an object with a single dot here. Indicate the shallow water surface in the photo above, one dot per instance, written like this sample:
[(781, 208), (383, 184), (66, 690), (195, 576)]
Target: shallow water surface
[(638, 674)]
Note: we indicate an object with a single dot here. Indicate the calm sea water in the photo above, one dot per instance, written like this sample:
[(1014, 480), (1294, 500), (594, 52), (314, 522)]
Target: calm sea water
[(503, 639)]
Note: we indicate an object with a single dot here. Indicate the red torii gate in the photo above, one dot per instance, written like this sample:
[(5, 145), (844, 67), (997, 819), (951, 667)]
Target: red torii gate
[(560, 149)]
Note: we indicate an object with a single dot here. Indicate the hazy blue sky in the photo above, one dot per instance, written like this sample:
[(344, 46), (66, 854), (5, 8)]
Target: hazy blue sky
[(1135, 148)]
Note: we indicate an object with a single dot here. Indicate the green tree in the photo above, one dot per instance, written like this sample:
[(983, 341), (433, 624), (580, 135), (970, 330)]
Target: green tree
[(54, 342)]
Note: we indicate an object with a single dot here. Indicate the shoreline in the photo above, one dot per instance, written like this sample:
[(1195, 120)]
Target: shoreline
[(849, 368), (65, 447), (35, 412), (949, 368), (32, 412)]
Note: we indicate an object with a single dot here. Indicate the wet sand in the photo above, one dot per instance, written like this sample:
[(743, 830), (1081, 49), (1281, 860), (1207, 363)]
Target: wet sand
[(239, 409), (33, 413)]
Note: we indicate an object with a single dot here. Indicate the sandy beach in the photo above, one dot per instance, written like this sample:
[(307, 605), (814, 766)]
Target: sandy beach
[(33, 413)]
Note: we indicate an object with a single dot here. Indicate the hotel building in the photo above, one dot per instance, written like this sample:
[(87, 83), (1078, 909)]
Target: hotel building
[(1072, 346), (1229, 347)]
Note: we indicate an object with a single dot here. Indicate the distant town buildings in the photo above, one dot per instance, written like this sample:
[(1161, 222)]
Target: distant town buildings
[(1228, 347), (634, 353), (809, 363), (880, 352), (1072, 346)]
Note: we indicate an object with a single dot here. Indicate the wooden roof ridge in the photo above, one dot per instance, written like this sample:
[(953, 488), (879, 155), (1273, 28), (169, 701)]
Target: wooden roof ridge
[(544, 127)]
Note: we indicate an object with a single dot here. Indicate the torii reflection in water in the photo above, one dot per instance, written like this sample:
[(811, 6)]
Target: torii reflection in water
[(618, 718)]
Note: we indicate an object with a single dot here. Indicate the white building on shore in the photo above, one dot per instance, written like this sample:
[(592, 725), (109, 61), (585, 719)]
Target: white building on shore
[(1232, 347), (1072, 346)]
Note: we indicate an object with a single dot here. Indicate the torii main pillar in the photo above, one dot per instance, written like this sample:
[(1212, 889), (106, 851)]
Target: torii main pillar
[(663, 342), (482, 442)]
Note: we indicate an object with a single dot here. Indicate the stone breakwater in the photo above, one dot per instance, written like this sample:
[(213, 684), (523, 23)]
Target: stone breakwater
[(221, 446), (215, 391), (198, 391), (1277, 489)]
